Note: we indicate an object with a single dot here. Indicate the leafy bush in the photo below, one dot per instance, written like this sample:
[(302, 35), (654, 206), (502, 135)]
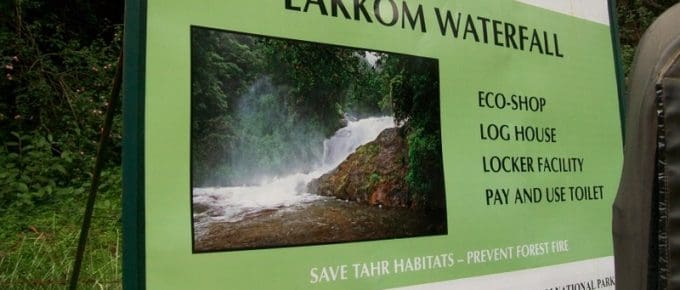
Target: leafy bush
[(34, 171), (58, 62), (414, 90), (424, 176)]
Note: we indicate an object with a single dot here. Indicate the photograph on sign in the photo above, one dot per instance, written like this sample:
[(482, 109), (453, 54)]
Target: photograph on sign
[(297, 143)]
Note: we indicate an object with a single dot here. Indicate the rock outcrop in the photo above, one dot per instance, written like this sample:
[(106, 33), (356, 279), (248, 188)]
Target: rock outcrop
[(374, 174)]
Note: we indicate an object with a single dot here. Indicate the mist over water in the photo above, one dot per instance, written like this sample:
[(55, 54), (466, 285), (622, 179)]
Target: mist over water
[(270, 139), (234, 203)]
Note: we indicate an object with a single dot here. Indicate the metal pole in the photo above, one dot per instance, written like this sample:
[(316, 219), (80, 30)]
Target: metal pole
[(99, 163)]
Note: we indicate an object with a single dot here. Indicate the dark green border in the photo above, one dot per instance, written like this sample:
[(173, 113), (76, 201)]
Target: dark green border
[(134, 70), (620, 80)]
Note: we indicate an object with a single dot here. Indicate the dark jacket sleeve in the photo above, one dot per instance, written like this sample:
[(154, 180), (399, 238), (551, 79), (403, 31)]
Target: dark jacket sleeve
[(646, 214)]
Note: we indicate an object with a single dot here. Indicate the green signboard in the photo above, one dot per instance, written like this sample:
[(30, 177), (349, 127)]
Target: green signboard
[(370, 144)]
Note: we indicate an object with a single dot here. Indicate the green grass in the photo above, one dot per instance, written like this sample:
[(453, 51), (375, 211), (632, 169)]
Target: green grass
[(38, 244)]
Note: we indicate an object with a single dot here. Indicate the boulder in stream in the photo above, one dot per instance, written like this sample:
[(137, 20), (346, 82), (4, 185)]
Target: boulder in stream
[(374, 174)]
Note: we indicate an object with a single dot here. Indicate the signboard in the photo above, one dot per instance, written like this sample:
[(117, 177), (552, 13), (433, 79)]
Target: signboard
[(336, 144)]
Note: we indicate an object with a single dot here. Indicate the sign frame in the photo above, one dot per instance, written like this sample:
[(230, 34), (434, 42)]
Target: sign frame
[(134, 259)]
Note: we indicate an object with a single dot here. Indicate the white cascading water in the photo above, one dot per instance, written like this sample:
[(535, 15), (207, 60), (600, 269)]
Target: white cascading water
[(232, 204)]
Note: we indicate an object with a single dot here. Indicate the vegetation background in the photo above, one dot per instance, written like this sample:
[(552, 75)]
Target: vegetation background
[(262, 107), (57, 62)]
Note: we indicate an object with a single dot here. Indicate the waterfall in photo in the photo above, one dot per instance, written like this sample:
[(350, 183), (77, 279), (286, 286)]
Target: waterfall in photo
[(231, 204)]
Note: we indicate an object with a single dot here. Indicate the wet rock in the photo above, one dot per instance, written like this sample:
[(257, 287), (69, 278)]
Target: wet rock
[(375, 174), (200, 208), (320, 222)]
